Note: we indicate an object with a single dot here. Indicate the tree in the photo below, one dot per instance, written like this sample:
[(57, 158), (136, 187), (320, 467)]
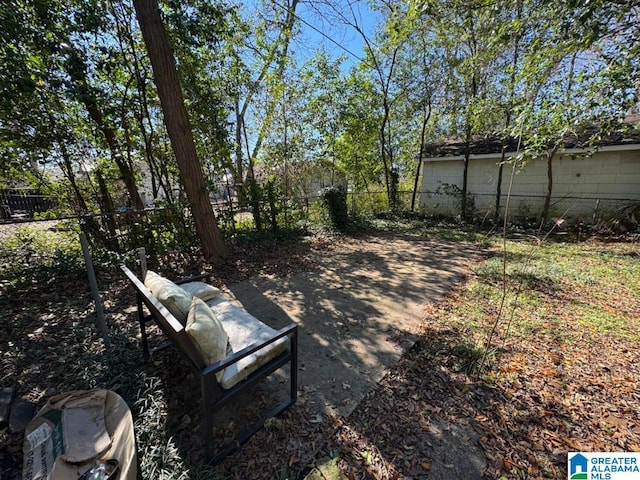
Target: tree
[(466, 30), (421, 75), (271, 53), (179, 127), (381, 54), (576, 77), (54, 84), (357, 145)]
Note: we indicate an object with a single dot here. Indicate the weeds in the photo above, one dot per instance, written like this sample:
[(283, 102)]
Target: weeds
[(547, 283), (29, 254)]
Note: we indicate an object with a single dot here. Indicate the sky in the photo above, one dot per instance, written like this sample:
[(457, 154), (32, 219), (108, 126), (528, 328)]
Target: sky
[(320, 28)]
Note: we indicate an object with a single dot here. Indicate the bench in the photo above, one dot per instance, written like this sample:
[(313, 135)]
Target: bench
[(252, 344)]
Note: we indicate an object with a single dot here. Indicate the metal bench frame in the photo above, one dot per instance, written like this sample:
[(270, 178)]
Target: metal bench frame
[(213, 396)]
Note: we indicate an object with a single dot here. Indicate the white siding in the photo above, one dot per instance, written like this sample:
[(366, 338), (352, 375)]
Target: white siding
[(579, 182)]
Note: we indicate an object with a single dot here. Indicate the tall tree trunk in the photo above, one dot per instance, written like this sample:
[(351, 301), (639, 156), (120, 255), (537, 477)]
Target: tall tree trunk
[(384, 152), (465, 172), (142, 114), (67, 169), (237, 167), (507, 123), (277, 52), (496, 211), (547, 199), (179, 127), (77, 70), (425, 121), (110, 136), (106, 206)]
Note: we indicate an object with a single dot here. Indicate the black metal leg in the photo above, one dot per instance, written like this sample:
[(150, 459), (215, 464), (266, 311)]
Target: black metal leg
[(143, 329), (294, 366), (207, 415)]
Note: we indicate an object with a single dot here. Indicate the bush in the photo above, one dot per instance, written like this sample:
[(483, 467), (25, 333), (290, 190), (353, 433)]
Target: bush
[(31, 254), (334, 201)]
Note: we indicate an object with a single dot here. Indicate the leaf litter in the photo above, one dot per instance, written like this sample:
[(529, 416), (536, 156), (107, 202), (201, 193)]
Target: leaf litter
[(559, 384)]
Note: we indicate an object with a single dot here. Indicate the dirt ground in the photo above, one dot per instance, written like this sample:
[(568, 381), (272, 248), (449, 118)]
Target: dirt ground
[(358, 311), (358, 301)]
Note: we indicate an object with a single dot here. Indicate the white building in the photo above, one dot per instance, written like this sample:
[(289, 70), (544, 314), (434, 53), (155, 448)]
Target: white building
[(588, 184)]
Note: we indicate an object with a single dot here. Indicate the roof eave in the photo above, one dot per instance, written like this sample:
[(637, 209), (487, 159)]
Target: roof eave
[(563, 151)]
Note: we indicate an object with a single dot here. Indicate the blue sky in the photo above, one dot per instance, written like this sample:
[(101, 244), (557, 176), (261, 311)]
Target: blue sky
[(318, 21), (341, 35)]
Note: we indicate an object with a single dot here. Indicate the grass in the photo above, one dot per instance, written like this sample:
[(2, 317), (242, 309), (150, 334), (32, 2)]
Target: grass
[(565, 316), (588, 286), (559, 373)]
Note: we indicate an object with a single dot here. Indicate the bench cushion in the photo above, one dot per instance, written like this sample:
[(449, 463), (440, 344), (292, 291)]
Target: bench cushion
[(172, 296), (207, 332), (243, 330), (202, 290)]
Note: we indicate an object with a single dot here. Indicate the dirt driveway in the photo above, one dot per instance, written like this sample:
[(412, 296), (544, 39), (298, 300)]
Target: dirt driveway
[(358, 312)]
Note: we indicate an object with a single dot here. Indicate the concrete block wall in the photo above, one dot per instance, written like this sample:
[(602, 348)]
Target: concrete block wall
[(578, 182)]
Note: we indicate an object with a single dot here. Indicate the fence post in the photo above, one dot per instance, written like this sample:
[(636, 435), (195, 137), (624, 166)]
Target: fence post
[(595, 211), (94, 290), (142, 254)]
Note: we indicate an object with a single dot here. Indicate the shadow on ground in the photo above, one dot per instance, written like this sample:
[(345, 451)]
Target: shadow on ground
[(415, 423), (358, 312), (358, 308)]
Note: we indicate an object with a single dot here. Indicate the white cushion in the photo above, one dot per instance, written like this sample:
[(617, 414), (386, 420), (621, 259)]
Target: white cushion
[(207, 333), (202, 290), (173, 297), (243, 330)]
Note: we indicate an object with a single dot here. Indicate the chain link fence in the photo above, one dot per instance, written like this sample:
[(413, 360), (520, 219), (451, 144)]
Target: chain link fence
[(592, 210), (161, 228)]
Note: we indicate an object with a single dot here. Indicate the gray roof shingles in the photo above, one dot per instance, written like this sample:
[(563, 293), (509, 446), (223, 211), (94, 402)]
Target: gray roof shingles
[(454, 147)]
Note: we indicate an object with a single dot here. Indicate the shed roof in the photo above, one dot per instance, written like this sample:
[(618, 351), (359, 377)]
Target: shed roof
[(455, 147)]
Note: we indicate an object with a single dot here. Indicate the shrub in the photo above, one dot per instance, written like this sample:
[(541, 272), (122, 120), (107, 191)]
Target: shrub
[(31, 254), (334, 201)]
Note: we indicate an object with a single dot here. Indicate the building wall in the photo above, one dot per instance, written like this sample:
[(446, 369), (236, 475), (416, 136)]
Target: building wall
[(582, 186)]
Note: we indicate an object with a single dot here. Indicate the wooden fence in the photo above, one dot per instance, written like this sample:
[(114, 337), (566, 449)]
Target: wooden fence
[(18, 204)]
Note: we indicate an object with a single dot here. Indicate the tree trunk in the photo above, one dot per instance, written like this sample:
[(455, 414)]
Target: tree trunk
[(110, 136), (179, 127), (507, 123), (236, 168), (106, 206), (255, 196), (547, 199), (425, 121), (142, 114), (384, 152), (496, 212), (465, 172), (77, 70)]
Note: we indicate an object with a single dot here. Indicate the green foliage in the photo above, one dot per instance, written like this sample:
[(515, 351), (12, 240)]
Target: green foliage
[(244, 222), (159, 231), (432, 69), (367, 204), (160, 457), (31, 255), (469, 357), (334, 202)]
